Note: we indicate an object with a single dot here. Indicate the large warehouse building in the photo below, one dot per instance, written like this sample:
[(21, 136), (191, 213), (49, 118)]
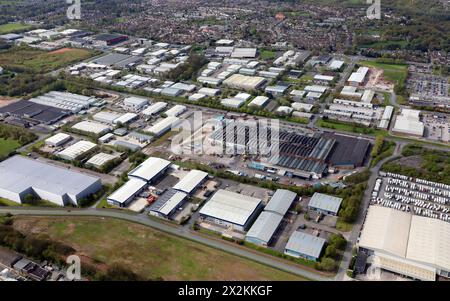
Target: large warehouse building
[(22, 176), (231, 209), (410, 245)]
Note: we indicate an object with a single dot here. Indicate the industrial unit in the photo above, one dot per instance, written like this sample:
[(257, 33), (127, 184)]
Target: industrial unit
[(191, 181), (92, 127), (231, 209), (22, 176), (58, 139), (163, 126), (134, 104), (408, 123), (101, 159), (77, 150), (168, 203), (123, 196), (326, 204), (303, 245), (263, 230), (150, 169)]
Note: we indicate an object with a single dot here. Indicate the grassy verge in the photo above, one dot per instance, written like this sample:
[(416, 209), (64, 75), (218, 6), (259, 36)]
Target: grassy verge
[(349, 127), (7, 146)]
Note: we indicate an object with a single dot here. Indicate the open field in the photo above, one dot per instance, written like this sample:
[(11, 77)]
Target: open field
[(145, 251), (395, 73), (13, 27), (7, 146), (37, 61)]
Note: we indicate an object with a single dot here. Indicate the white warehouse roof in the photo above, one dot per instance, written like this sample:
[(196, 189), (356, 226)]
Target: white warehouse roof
[(164, 125), (176, 110), (100, 159), (75, 150), (149, 169), (259, 101), (230, 206), (408, 122), (91, 127), (57, 139), (416, 240), (155, 108), (191, 181), (125, 118), (19, 174), (127, 190)]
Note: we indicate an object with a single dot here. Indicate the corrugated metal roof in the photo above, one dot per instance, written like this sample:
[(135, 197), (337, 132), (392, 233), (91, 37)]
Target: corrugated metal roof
[(149, 168), (191, 181), (127, 190), (168, 201), (265, 226), (18, 174), (281, 201), (325, 202), (305, 244), (230, 206)]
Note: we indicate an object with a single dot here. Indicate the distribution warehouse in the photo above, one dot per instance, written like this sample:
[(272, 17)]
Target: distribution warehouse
[(410, 245), (22, 176), (231, 209)]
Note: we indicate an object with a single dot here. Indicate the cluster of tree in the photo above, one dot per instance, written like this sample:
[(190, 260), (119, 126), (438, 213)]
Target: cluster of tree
[(22, 84), (189, 69), (137, 158), (328, 262), (352, 195), (32, 246), (19, 134), (434, 164)]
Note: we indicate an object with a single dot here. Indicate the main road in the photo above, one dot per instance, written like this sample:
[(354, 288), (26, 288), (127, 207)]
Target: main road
[(178, 231)]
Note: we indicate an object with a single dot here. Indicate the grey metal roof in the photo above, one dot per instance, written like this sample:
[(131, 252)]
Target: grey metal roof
[(168, 201), (281, 201), (19, 174), (265, 226), (305, 244), (325, 202)]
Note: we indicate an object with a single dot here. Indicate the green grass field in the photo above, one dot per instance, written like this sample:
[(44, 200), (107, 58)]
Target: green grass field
[(348, 127), (146, 251), (38, 61), (392, 72), (14, 27), (7, 146), (267, 54)]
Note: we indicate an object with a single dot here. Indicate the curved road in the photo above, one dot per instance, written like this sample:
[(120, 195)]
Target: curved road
[(180, 232), (341, 275)]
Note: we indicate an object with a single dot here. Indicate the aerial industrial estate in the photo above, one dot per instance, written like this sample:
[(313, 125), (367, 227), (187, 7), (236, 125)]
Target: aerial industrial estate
[(322, 164)]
